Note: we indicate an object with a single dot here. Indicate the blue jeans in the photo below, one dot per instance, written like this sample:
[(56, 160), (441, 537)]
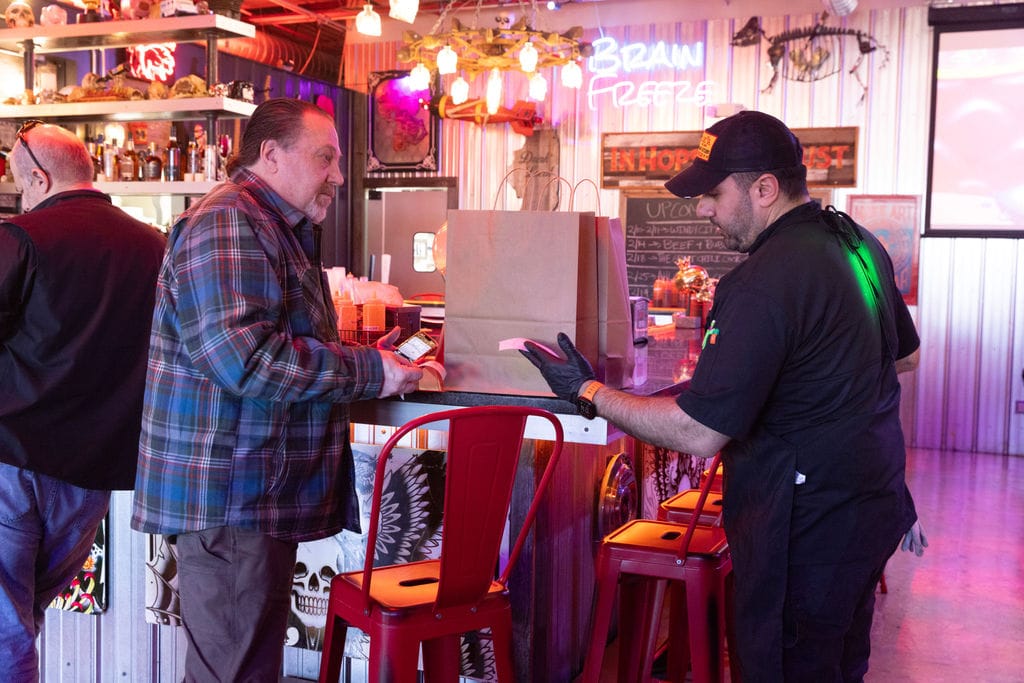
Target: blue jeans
[(47, 528)]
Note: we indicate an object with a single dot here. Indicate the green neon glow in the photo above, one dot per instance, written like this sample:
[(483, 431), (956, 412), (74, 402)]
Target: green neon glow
[(866, 272)]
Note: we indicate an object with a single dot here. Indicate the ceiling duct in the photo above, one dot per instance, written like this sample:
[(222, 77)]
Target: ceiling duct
[(275, 51)]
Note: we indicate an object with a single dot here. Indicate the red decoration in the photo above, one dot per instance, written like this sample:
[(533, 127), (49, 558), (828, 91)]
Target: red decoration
[(152, 62)]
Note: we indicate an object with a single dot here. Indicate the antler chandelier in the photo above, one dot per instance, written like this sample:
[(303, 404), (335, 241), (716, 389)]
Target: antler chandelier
[(471, 51)]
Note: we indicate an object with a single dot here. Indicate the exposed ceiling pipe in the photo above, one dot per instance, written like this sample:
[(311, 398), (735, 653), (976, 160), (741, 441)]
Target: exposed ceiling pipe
[(275, 51)]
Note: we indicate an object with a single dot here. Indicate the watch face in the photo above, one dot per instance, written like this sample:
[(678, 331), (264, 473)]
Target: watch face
[(586, 408)]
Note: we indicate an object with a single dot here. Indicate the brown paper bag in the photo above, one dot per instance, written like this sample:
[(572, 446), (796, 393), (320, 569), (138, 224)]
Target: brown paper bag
[(516, 274), (615, 322)]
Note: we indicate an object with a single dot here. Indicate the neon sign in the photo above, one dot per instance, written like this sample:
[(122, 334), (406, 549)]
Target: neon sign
[(610, 61), (152, 62)]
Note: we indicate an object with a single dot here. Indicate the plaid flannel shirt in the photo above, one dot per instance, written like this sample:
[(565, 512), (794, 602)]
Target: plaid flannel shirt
[(244, 420)]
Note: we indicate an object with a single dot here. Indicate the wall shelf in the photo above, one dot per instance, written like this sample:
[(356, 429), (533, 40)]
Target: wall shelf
[(144, 189), (131, 110), (110, 34)]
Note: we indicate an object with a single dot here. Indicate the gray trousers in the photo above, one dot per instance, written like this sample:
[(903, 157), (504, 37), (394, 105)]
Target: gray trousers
[(234, 587)]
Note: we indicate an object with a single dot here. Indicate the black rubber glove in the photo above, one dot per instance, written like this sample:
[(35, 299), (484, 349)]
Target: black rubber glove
[(565, 377)]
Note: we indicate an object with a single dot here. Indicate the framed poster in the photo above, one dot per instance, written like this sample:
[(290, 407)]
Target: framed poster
[(403, 135), (894, 219), (87, 592)]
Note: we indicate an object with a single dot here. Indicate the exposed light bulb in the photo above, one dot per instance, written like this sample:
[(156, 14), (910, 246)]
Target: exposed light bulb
[(404, 10), (538, 87), (368, 21), (419, 77), (572, 75), (528, 58), (493, 96), (840, 8), (447, 61), (459, 90)]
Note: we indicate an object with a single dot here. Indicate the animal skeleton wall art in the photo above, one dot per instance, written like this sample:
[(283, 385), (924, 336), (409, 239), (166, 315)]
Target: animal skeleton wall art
[(811, 53)]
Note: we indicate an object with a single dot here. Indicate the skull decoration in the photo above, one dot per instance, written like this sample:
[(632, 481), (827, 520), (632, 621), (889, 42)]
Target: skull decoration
[(19, 15), (315, 566)]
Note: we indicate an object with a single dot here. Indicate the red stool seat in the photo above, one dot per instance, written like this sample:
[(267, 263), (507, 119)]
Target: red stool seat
[(679, 508)]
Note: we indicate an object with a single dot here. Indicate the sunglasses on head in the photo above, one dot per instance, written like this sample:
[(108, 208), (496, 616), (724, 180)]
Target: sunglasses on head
[(23, 138)]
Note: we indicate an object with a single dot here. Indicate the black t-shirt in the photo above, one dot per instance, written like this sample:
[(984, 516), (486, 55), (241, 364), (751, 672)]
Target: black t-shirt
[(798, 370)]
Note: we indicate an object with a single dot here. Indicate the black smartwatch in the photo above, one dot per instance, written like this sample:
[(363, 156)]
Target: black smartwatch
[(585, 401)]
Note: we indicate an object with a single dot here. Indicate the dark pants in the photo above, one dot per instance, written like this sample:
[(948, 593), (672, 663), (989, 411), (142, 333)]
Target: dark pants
[(827, 621), (235, 590)]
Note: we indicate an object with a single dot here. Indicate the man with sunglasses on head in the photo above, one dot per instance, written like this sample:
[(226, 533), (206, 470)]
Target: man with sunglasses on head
[(77, 284)]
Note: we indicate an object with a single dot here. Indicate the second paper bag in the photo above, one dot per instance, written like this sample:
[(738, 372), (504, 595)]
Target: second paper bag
[(516, 274)]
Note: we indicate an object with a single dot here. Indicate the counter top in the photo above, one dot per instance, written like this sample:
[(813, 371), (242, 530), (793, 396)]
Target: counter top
[(670, 354)]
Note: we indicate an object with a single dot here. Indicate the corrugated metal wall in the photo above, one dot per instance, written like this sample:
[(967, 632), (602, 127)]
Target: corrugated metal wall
[(969, 289)]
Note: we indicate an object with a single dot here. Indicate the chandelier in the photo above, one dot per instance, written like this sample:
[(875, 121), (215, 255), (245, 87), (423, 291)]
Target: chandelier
[(469, 51)]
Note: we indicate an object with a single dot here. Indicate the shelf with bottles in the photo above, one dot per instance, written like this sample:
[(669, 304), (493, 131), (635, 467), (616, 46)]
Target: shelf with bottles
[(142, 188), (131, 110), (122, 33)]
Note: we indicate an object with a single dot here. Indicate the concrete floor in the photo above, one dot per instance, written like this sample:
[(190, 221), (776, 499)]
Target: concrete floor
[(957, 613)]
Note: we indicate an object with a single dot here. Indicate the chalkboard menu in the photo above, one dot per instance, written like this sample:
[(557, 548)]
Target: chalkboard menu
[(661, 228)]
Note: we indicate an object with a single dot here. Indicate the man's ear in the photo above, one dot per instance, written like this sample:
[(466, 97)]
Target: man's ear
[(269, 150), (765, 189)]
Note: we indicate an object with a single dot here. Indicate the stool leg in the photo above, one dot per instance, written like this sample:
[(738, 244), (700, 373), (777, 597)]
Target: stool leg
[(501, 639), (678, 633), (654, 608), (441, 661), (607, 584), (333, 649), (702, 615), (394, 656)]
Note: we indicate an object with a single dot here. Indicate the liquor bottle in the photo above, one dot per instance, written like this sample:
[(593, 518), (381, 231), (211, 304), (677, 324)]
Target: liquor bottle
[(193, 163), (97, 162), (154, 164), (140, 163), (172, 162), (128, 162), (110, 165)]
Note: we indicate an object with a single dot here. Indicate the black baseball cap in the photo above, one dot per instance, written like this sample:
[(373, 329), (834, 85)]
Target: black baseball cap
[(747, 141)]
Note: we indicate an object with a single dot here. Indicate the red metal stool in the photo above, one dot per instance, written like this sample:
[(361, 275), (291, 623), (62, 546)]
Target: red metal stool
[(679, 508), (643, 557), (432, 602)]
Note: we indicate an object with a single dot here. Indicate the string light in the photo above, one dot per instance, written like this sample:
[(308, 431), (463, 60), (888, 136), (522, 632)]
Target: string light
[(404, 10), (572, 75), (447, 61), (419, 77), (527, 58), (368, 21), (459, 90), (493, 96), (538, 87)]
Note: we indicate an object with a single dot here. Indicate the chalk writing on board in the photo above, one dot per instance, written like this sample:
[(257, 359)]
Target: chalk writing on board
[(661, 229)]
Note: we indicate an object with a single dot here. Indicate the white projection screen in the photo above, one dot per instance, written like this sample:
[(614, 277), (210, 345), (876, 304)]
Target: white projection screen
[(976, 162)]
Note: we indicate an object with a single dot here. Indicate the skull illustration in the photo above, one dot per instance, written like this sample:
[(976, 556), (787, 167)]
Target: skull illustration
[(315, 566), (19, 15)]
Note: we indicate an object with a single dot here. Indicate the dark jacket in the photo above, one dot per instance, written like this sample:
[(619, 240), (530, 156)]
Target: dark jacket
[(77, 284)]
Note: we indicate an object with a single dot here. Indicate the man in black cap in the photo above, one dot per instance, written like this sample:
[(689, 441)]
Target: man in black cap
[(796, 385)]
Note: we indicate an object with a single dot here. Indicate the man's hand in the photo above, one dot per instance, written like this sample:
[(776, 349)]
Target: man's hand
[(565, 377), (400, 376), (387, 342), (915, 540)]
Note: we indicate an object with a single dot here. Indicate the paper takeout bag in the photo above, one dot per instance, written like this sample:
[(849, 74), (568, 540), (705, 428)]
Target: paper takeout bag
[(517, 274), (616, 354)]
